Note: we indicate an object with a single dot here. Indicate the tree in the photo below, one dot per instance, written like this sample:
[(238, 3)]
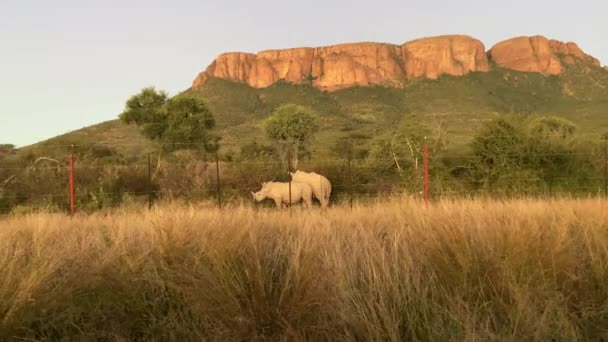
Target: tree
[(500, 148), (551, 127), (291, 126), (402, 149), (147, 110), (182, 122), (521, 154), (189, 125)]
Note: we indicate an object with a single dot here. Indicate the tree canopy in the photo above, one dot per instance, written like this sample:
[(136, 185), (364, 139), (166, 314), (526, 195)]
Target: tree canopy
[(182, 122), (516, 151), (291, 123), (290, 126), (189, 124)]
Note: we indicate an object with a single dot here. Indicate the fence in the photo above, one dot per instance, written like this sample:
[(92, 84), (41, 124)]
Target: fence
[(72, 185)]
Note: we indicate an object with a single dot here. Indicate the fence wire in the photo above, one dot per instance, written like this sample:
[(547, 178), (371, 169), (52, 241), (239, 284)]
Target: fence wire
[(45, 184)]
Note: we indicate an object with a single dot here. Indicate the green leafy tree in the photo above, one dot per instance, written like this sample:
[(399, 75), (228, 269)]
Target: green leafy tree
[(182, 122), (500, 148), (147, 110), (290, 127), (552, 127), (560, 154), (519, 155), (189, 125)]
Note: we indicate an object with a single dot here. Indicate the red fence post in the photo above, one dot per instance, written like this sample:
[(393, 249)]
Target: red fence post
[(426, 174), (72, 190)]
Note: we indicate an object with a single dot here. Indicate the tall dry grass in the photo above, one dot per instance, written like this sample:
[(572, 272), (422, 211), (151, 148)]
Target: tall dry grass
[(472, 270)]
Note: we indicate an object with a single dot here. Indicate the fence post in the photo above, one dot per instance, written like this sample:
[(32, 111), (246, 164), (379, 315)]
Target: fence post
[(426, 174), (217, 175), (149, 180), (350, 178), (72, 185), (606, 166), (489, 176), (289, 173)]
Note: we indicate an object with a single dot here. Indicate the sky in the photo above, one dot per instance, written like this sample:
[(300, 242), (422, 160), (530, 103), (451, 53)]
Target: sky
[(65, 64)]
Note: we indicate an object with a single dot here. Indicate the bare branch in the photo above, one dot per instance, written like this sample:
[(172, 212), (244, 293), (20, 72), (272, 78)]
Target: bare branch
[(4, 183), (394, 155)]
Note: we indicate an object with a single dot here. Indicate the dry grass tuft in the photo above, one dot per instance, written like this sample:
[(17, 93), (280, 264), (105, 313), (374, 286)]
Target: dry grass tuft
[(474, 270)]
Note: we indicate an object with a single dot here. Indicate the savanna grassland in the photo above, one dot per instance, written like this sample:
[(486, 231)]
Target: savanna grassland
[(394, 270)]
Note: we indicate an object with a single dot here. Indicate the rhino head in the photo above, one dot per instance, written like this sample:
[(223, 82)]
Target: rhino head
[(260, 195)]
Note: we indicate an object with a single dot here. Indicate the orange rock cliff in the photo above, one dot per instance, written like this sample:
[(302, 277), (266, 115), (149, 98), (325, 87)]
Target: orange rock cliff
[(367, 64)]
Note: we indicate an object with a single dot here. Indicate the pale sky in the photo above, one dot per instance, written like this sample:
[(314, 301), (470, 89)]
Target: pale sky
[(67, 64)]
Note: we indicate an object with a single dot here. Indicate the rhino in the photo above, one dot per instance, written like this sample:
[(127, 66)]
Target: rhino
[(321, 187), (279, 192)]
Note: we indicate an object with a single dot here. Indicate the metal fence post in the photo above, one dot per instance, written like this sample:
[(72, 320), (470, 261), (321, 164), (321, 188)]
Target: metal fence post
[(350, 178), (217, 175), (149, 180), (426, 175), (72, 183), (606, 166), (289, 173)]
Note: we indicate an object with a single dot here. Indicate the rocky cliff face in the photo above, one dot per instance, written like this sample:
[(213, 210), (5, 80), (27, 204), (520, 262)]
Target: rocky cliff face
[(537, 54), (367, 64), (446, 55)]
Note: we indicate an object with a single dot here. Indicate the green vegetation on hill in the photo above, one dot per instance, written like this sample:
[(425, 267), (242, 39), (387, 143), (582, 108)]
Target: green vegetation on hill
[(382, 129), (461, 104)]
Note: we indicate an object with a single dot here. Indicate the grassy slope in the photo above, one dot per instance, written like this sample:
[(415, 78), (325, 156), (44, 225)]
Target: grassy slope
[(461, 103), (113, 136)]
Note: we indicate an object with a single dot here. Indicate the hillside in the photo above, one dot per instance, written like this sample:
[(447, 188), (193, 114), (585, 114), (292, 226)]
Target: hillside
[(448, 82), (459, 103)]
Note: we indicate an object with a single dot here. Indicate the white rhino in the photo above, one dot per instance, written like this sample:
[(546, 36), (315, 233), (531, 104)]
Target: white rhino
[(279, 192), (321, 187)]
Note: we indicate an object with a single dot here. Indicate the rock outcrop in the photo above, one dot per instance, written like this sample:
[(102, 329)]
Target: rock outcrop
[(347, 65), (537, 54), (368, 64), (446, 55)]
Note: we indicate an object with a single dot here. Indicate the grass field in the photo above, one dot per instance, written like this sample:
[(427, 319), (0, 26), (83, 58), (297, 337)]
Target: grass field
[(472, 270)]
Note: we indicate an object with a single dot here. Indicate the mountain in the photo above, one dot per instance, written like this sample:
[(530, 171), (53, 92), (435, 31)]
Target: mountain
[(367, 90), (369, 64)]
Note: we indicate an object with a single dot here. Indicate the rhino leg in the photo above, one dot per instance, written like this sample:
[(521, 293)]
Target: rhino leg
[(324, 201), (279, 203)]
